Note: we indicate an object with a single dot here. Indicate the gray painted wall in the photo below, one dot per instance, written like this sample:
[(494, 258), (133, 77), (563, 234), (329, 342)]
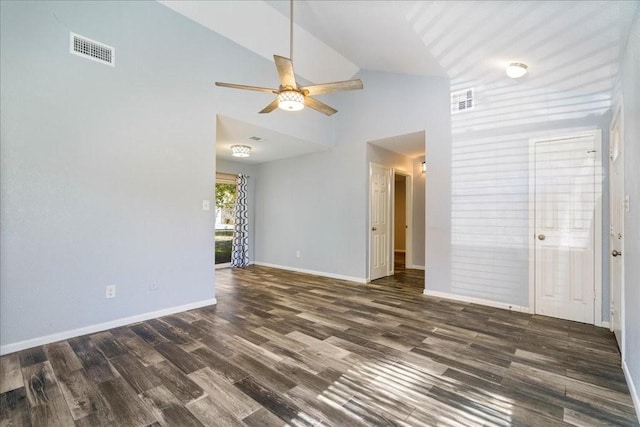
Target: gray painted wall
[(424, 106), (104, 170), (631, 92), (320, 201)]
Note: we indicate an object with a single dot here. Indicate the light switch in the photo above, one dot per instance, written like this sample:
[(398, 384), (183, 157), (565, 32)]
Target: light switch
[(205, 205), (627, 204)]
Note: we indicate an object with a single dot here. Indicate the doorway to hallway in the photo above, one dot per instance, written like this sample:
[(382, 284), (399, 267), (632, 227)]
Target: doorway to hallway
[(401, 220)]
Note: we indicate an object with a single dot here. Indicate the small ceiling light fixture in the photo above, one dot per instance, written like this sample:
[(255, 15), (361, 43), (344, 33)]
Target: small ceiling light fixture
[(290, 100), (423, 167), (516, 70), (240, 150)]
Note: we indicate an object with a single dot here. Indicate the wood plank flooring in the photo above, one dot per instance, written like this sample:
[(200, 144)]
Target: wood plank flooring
[(288, 348)]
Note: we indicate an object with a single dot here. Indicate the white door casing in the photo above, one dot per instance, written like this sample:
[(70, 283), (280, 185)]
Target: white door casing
[(616, 228), (379, 221), (566, 195)]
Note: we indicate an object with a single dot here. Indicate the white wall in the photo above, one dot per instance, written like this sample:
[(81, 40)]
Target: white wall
[(318, 204), (104, 169), (631, 92), (490, 209)]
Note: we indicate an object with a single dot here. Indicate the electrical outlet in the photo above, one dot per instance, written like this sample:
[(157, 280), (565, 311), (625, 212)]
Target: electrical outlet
[(205, 205), (154, 286), (111, 291), (297, 254)]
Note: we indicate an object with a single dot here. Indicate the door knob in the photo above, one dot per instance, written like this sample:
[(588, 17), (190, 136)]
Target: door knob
[(373, 229), (541, 237), (616, 253)]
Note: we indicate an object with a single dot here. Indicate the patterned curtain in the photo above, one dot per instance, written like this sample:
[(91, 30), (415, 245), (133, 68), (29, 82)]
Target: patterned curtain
[(240, 247)]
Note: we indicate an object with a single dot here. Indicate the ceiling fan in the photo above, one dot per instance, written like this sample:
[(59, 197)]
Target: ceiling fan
[(290, 96)]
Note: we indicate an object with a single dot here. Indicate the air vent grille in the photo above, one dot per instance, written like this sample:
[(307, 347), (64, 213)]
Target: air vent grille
[(462, 100), (92, 49), (255, 138)]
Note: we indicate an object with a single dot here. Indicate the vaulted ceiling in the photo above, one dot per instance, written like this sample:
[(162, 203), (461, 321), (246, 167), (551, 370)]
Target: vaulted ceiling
[(461, 39), (572, 48)]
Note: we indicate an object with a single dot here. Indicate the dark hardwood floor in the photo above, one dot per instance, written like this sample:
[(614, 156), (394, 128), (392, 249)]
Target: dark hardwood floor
[(288, 348)]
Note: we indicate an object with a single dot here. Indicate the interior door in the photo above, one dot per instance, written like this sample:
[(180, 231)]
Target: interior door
[(564, 228), (379, 198), (616, 235)]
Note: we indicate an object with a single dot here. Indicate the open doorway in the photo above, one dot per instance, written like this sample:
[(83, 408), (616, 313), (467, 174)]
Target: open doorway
[(402, 221), (396, 199), (225, 218)]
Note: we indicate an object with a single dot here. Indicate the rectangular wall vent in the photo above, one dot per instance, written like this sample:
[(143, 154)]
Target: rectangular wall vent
[(462, 100), (92, 49)]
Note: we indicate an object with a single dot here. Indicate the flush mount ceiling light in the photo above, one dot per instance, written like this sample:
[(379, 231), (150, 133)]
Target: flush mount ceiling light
[(516, 70), (240, 150), (290, 100)]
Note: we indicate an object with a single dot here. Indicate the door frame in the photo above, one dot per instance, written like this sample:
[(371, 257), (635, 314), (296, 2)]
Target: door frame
[(389, 212), (597, 249), (408, 232), (618, 119)]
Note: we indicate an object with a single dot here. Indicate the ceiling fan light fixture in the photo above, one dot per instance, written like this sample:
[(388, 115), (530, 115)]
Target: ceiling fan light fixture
[(240, 150), (516, 70), (290, 100)]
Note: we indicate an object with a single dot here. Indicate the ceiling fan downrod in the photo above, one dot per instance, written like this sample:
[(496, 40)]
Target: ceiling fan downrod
[(291, 32)]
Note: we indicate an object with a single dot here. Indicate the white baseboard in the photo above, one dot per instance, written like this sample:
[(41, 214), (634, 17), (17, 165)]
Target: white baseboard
[(415, 267), (473, 300), (316, 273), (59, 336), (632, 388), (604, 324)]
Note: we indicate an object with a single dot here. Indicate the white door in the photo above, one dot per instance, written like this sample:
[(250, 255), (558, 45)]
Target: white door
[(616, 238), (565, 197), (379, 198)]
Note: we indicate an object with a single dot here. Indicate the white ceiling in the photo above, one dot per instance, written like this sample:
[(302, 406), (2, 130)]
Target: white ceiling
[(272, 146), (461, 39), (260, 28), (410, 145), (572, 47), (374, 35)]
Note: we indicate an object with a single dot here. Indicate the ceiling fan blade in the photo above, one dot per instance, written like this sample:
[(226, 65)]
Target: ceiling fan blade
[(332, 87), (256, 88), (319, 106), (285, 71), (269, 108)]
